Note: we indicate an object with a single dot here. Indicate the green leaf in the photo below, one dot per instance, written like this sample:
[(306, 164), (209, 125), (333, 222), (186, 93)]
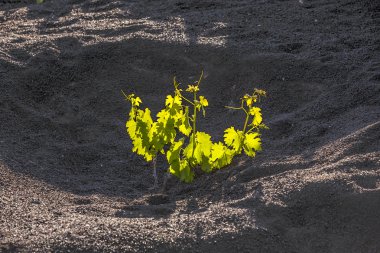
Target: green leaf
[(173, 158), (202, 148), (206, 165), (177, 100), (186, 174), (252, 143), (147, 118), (257, 117), (233, 138), (140, 148), (173, 154), (204, 142), (188, 151), (217, 151), (203, 101), (191, 152), (138, 128), (155, 138), (221, 155), (182, 170), (131, 128), (169, 101), (172, 101), (192, 88), (174, 168), (166, 132), (249, 100), (136, 101), (163, 115), (185, 126)]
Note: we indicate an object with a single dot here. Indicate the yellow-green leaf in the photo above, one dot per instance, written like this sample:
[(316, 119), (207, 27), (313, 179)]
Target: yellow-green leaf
[(206, 165), (192, 88), (163, 116), (257, 117), (252, 143), (147, 118), (131, 128), (233, 138), (217, 151), (203, 101), (185, 172), (185, 126), (136, 101), (221, 156), (204, 143), (173, 153), (169, 101)]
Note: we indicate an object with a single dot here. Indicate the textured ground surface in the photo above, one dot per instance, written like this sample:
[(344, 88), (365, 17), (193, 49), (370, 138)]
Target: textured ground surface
[(68, 181)]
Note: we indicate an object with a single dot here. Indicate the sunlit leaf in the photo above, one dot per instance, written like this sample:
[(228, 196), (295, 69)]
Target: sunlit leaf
[(257, 117), (169, 100), (192, 88), (131, 128), (185, 126), (151, 137), (252, 143), (203, 101), (221, 155), (204, 143), (233, 138), (173, 154)]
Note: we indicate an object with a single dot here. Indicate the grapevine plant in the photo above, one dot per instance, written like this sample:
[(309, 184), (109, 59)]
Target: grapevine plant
[(174, 133)]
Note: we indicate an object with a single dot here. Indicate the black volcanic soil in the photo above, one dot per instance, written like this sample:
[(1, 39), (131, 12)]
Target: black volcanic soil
[(70, 183)]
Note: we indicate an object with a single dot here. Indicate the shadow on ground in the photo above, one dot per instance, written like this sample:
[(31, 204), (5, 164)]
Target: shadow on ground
[(63, 114)]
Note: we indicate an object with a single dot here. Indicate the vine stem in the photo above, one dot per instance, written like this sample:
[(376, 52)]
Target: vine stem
[(200, 78), (243, 109), (187, 100), (195, 113), (246, 121), (233, 108), (125, 95), (194, 121), (250, 129), (154, 161)]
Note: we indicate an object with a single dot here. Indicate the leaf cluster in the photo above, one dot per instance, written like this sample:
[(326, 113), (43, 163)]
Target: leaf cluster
[(174, 132)]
